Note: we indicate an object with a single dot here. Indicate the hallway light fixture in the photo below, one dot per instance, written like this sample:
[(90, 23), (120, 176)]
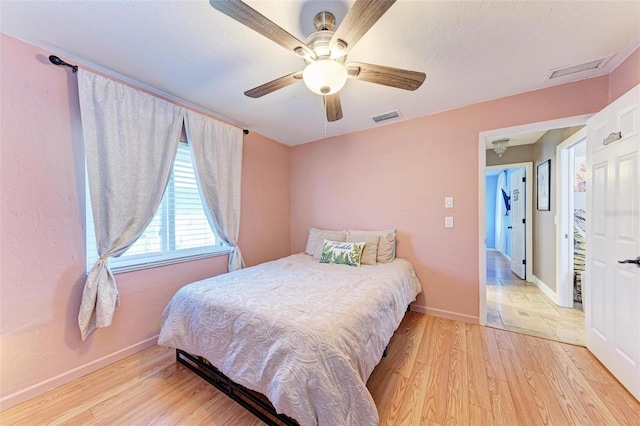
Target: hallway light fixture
[(500, 146)]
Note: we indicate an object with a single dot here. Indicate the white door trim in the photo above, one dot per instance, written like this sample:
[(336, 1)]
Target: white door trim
[(518, 239), (482, 184), (564, 218)]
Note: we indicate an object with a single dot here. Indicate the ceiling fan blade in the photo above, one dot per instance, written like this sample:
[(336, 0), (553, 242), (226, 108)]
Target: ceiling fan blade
[(333, 107), (253, 19), (362, 15), (274, 85), (388, 76)]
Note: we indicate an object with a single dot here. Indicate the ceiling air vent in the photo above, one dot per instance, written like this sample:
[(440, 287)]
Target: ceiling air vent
[(386, 116), (561, 72)]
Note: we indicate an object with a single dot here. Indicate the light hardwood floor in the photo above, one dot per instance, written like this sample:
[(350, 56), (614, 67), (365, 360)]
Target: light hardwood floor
[(438, 372), (517, 305)]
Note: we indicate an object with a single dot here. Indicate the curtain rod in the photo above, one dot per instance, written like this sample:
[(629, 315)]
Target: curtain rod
[(57, 61)]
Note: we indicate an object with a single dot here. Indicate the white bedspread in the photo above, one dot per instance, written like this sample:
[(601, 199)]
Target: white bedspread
[(305, 334)]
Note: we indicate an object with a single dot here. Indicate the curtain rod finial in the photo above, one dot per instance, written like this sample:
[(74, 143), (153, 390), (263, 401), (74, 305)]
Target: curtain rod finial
[(57, 61), (245, 131)]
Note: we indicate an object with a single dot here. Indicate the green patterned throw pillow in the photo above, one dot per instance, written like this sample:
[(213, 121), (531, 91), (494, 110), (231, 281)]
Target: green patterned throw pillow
[(341, 253)]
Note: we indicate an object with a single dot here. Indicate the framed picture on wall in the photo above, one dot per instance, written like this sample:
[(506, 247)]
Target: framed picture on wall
[(544, 186)]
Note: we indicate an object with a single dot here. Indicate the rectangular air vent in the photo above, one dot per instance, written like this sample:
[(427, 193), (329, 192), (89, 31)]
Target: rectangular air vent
[(386, 116), (561, 72)]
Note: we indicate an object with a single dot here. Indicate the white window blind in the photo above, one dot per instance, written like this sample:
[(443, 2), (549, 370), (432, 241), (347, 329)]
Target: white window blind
[(179, 230)]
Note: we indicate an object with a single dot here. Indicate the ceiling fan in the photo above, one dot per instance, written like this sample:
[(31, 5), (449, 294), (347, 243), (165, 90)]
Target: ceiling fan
[(325, 51)]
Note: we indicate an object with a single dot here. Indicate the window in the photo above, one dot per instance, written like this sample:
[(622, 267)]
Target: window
[(179, 230)]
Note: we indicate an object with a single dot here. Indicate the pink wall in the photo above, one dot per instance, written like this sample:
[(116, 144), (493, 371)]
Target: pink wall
[(42, 254), (396, 176), (625, 76), (265, 232)]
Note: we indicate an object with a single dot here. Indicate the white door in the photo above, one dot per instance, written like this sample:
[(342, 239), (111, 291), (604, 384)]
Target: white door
[(611, 294), (517, 223)]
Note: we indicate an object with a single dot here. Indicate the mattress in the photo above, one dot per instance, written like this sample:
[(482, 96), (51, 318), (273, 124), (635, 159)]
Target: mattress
[(305, 334)]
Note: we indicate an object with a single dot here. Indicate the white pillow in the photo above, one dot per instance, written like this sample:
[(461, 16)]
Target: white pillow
[(386, 243), (316, 239)]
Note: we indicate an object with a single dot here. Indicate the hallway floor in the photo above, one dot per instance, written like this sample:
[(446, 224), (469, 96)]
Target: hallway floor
[(517, 305)]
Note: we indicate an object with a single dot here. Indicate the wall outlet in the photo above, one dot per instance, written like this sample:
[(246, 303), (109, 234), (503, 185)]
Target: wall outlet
[(448, 222), (448, 202)]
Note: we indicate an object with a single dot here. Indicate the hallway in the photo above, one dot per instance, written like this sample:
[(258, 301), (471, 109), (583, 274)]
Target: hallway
[(517, 305)]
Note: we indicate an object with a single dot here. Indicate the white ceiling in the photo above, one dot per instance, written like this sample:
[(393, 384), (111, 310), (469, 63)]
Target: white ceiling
[(471, 51)]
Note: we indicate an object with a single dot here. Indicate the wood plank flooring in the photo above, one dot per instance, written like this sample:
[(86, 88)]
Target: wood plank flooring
[(438, 372)]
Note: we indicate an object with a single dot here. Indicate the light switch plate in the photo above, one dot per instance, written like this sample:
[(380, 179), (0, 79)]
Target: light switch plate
[(448, 202), (448, 222)]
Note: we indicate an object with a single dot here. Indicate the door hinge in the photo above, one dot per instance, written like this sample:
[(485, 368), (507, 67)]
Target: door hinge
[(524, 220), (524, 261), (524, 179)]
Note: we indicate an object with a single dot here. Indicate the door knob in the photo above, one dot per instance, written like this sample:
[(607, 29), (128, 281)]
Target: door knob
[(636, 261), (509, 227)]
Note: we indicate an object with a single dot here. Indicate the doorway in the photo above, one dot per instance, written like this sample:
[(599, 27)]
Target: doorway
[(508, 205), (514, 302), (538, 297)]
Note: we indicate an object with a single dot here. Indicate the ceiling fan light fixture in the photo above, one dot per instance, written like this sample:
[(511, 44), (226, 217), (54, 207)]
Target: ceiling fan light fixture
[(325, 76)]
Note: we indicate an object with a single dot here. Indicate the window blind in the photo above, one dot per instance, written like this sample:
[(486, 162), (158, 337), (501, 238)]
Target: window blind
[(179, 230)]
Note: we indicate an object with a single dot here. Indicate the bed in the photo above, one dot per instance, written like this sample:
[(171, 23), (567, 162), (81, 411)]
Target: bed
[(305, 334)]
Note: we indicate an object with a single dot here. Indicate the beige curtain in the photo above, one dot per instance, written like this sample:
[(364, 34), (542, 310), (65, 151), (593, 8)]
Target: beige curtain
[(131, 139), (216, 148)]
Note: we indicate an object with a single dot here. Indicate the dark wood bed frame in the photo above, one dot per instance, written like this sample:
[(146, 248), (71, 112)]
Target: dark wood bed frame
[(252, 401)]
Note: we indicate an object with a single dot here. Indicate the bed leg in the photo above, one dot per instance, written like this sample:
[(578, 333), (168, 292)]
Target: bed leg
[(385, 352), (408, 308)]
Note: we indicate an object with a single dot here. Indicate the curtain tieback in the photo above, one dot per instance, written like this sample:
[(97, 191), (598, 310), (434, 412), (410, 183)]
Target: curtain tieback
[(105, 258)]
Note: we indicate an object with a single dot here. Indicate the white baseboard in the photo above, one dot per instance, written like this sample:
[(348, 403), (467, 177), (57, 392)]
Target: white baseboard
[(545, 289), (66, 377), (445, 314)]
